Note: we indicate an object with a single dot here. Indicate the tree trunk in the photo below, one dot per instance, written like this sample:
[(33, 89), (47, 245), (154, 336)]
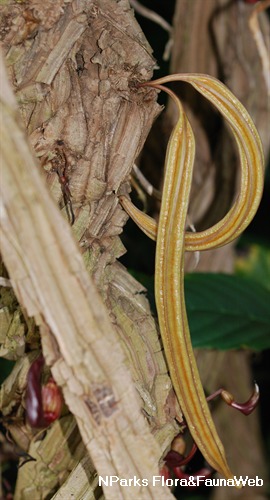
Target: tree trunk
[(73, 66)]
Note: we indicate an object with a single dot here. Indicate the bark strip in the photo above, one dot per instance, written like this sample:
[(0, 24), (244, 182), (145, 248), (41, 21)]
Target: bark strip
[(51, 283)]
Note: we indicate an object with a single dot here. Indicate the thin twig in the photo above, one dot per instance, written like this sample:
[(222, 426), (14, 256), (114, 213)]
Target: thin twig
[(156, 18), (150, 14), (146, 185)]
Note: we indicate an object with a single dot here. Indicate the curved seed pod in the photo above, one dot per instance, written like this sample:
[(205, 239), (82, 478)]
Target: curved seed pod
[(172, 241), (169, 293), (146, 223), (251, 161)]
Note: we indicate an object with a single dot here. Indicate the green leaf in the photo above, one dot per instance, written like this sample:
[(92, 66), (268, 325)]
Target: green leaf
[(224, 311), (255, 263), (227, 311)]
